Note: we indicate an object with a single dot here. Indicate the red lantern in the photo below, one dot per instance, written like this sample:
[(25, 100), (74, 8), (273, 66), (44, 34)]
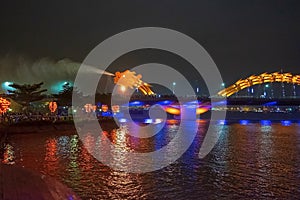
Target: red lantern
[(4, 105), (52, 106)]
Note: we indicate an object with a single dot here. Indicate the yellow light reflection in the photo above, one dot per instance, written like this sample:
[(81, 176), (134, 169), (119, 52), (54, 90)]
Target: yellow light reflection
[(201, 110), (173, 111)]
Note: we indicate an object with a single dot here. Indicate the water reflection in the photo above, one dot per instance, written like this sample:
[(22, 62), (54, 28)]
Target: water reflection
[(74, 160), (51, 163), (8, 155), (250, 161), (118, 154)]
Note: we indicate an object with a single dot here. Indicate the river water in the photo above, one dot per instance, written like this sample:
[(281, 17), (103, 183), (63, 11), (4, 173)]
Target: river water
[(250, 161)]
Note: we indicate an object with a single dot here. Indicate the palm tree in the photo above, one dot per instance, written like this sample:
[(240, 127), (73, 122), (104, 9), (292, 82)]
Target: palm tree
[(26, 94)]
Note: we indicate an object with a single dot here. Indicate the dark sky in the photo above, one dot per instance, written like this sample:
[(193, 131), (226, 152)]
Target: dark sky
[(245, 37)]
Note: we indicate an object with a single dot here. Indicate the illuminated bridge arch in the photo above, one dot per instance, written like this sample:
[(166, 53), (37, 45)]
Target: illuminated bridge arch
[(259, 79)]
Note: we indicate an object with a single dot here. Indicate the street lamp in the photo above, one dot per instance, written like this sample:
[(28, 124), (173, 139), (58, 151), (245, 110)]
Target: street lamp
[(265, 92), (174, 84), (294, 91)]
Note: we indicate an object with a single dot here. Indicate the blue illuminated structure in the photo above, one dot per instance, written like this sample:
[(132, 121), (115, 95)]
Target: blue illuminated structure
[(193, 102), (107, 114), (148, 121), (123, 120), (219, 103), (222, 122), (286, 123), (266, 122), (136, 103), (244, 122), (273, 103), (6, 86), (164, 103)]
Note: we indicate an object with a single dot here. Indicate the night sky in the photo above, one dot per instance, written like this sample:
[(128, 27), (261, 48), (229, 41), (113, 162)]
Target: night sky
[(245, 37)]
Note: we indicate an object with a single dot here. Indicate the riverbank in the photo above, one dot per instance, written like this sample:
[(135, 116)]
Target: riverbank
[(36, 127), (49, 126)]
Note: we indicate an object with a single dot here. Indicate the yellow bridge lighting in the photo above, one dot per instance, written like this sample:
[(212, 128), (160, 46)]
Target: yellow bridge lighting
[(259, 79)]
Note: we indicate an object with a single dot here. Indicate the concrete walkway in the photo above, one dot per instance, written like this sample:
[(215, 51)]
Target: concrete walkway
[(19, 183)]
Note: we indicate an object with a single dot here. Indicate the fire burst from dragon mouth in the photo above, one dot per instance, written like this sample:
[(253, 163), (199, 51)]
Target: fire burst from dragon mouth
[(129, 79)]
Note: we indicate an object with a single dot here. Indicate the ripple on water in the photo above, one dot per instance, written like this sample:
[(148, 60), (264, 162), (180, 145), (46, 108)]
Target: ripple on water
[(249, 162)]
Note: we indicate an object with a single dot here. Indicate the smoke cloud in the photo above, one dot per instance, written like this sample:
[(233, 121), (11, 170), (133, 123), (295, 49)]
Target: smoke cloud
[(53, 73)]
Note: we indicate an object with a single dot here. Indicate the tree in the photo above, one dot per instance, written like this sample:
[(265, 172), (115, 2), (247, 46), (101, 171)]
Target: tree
[(64, 97), (26, 94)]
